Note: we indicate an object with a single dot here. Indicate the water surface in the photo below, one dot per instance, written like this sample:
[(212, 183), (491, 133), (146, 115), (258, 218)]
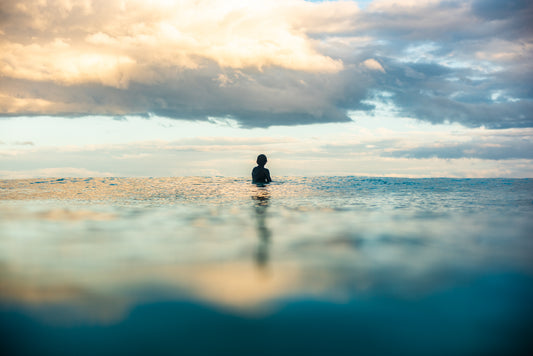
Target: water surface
[(322, 265)]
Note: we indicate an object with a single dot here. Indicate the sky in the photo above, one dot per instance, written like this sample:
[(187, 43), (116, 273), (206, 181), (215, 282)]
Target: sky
[(423, 88)]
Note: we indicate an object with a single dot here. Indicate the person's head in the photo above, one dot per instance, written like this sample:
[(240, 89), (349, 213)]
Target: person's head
[(261, 160)]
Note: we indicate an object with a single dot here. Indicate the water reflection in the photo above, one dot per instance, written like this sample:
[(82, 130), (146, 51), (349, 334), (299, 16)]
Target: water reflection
[(262, 198), (365, 257)]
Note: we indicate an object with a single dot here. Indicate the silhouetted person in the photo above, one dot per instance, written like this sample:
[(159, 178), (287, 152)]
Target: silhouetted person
[(261, 175)]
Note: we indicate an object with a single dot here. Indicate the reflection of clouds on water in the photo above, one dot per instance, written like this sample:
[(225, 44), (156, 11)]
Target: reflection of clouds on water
[(179, 244)]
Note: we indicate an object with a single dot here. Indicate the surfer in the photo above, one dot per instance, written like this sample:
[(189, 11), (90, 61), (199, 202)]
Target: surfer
[(261, 175)]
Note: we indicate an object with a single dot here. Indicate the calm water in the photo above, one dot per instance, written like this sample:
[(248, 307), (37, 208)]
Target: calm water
[(311, 266)]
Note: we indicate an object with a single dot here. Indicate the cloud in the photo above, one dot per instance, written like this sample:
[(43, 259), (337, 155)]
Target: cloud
[(264, 63), (373, 65), (522, 150), (53, 172), (24, 143), (511, 144), (356, 148), (116, 42)]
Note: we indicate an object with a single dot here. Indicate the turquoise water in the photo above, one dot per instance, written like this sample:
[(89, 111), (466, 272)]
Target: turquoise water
[(321, 265)]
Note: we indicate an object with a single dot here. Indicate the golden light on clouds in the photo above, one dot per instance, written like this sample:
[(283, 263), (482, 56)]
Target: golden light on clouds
[(114, 42), (264, 63), (372, 64)]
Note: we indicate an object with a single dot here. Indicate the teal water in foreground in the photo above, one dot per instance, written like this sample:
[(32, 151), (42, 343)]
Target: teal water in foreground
[(311, 266)]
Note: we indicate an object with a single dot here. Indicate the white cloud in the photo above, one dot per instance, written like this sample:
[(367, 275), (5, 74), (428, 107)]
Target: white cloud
[(372, 64), (141, 37), (387, 5)]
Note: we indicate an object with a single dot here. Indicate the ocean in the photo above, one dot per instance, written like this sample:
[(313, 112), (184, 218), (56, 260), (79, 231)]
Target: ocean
[(303, 266)]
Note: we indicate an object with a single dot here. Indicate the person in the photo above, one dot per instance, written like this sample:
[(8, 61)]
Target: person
[(261, 175)]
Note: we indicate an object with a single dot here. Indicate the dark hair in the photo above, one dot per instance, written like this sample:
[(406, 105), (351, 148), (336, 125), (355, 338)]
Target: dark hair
[(261, 160)]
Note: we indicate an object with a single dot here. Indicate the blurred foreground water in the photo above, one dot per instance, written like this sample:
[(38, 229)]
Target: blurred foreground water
[(314, 266)]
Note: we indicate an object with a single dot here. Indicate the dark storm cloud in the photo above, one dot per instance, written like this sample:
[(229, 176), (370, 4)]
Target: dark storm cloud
[(449, 61)]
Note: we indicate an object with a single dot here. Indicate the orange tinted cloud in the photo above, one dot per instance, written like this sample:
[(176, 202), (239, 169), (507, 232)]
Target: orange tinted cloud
[(113, 42)]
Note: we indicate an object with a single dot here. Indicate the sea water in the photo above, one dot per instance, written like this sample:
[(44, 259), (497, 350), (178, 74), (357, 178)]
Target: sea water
[(310, 266)]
